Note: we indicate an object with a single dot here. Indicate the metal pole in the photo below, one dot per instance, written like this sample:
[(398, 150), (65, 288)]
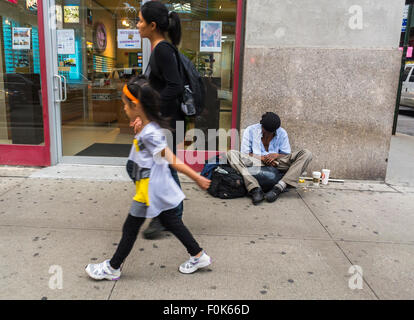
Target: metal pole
[(406, 37)]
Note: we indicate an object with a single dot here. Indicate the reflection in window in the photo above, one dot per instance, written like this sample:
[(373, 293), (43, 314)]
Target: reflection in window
[(406, 73), (21, 113)]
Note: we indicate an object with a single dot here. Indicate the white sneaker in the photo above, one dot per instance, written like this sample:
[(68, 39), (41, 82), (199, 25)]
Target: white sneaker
[(194, 263), (102, 271)]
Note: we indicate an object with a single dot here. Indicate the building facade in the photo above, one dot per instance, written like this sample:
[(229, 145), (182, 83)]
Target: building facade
[(329, 70)]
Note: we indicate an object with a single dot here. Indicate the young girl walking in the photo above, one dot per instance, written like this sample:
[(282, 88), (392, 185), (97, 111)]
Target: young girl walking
[(157, 25), (157, 194)]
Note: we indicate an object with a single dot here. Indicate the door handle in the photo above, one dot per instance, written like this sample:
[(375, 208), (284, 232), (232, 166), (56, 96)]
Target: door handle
[(59, 87), (66, 91)]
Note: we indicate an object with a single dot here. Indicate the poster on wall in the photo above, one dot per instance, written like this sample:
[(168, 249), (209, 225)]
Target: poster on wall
[(129, 39), (31, 5), (71, 14), (100, 37), (65, 41), (210, 36), (21, 38)]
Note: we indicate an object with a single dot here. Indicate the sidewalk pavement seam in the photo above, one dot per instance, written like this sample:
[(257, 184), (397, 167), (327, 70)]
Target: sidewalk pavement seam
[(336, 243), (393, 188), (345, 189), (14, 177), (226, 235), (12, 188), (113, 288), (59, 228)]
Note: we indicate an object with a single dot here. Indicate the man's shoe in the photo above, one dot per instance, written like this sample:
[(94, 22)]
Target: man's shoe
[(154, 229), (273, 194), (257, 195)]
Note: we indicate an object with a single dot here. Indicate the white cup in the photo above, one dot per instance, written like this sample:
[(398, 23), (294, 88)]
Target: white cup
[(316, 176), (325, 176)]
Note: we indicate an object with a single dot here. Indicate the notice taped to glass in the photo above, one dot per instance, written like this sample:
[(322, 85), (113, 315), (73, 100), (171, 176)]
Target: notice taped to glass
[(21, 38), (65, 41), (129, 39)]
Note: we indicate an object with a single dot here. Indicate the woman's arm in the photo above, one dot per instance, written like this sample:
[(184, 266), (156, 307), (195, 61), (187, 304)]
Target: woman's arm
[(181, 167)]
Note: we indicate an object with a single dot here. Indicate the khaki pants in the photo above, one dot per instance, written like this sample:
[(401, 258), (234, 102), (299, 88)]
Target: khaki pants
[(293, 164)]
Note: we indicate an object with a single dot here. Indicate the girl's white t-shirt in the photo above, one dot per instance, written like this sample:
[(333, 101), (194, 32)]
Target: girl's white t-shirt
[(163, 192)]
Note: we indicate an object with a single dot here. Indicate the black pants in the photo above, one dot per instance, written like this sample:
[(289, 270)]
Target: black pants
[(169, 219)]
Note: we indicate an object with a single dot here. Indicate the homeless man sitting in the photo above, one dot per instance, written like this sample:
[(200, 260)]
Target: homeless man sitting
[(267, 144)]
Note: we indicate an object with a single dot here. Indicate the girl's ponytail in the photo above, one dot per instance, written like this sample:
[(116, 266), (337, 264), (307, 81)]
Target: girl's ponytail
[(174, 28)]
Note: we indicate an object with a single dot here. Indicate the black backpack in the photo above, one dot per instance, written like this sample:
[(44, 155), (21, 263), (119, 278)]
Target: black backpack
[(226, 183), (194, 91)]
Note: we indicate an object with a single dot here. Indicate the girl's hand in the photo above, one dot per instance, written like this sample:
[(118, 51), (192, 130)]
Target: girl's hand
[(136, 124), (203, 182)]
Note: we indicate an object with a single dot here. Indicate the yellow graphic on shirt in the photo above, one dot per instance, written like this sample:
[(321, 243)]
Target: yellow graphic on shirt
[(136, 145), (142, 191)]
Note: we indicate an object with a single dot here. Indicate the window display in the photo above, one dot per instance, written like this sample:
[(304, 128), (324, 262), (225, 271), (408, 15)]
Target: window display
[(210, 36), (129, 39), (21, 113), (71, 14)]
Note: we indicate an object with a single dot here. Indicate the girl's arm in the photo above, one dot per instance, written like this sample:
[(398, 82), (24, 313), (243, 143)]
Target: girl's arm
[(181, 167)]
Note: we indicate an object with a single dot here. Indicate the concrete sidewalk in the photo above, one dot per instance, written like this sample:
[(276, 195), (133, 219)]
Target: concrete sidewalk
[(301, 247)]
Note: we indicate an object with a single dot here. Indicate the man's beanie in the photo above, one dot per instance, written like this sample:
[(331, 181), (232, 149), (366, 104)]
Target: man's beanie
[(270, 121)]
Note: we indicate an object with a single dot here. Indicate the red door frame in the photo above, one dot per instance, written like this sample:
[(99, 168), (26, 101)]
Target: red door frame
[(185, 155), (31, 155)]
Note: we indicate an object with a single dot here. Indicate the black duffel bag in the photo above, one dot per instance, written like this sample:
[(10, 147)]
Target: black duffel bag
[(226, 183)]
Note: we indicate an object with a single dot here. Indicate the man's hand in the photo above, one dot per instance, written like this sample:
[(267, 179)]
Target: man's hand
[(269, 159)]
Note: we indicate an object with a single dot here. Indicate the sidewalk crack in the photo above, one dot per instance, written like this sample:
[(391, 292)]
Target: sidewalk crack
[(336, 243)]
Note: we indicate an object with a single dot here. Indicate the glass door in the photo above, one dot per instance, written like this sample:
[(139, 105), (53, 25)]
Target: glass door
[(24, 138), (96, 50)]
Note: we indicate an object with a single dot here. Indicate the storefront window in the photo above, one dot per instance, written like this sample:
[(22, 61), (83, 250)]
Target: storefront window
[(100, 49), (21, 113), (208, 29)]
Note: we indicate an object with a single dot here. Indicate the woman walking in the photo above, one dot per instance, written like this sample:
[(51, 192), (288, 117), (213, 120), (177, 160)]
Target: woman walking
[(156, 23)]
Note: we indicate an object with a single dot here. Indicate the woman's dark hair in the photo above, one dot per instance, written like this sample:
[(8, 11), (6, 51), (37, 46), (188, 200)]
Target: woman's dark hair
[(167, 21), (149, 98)]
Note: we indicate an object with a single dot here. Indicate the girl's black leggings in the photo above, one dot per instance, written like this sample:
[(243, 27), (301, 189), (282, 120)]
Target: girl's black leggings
[(170, 221)]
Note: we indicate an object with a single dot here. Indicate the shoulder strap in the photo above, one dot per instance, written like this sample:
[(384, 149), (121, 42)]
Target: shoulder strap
[(177, 56), (154, 67)]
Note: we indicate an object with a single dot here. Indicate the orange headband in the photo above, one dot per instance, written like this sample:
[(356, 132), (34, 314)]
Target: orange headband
[(129, 94)]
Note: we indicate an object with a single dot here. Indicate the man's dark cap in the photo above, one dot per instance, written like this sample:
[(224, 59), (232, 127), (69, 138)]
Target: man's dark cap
[(270, 121)]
